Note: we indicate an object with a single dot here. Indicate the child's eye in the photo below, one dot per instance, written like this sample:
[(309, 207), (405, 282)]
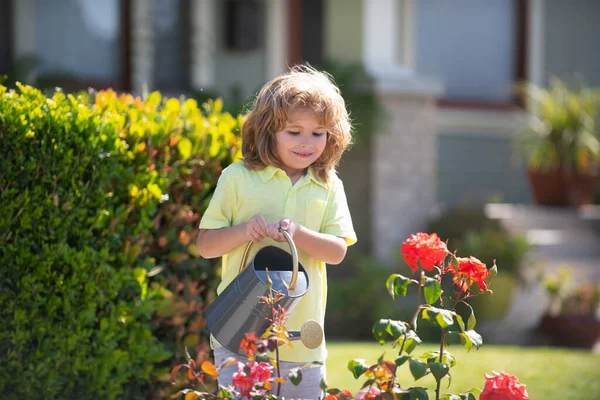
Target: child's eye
[(318, 134), (293, 133)]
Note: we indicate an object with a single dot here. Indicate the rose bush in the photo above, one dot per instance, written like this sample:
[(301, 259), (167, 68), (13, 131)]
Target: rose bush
[(450, 312)]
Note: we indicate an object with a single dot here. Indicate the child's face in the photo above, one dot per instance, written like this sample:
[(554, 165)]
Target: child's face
[(301, 142)]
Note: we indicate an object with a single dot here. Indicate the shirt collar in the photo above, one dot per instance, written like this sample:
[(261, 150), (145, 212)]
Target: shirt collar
[(270, 171)]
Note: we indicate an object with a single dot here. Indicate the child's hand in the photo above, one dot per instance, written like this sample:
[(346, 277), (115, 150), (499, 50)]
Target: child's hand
[(285, 224), (257, 228)]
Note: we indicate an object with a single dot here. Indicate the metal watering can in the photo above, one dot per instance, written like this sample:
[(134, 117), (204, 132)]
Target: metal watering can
[(238, 310)]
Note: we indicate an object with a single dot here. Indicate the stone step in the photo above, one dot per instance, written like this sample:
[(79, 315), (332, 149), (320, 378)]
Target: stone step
[(524, 217), (556, 233)]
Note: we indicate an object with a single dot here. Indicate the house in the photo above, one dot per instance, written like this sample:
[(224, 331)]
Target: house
[(443, 71)]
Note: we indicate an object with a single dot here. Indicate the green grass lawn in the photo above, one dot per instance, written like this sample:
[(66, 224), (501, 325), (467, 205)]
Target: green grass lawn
[(549, 373)]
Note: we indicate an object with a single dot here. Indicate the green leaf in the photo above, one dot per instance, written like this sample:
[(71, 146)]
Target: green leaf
[(493, 271), (412, 341), (469, 395), (295, 376), (140, 275), (418, 394), (432, 290), (460, 322), (472, 321), (390, 327), (439, 370), (434, 356), (468, 339), (153, 99), (401, 360), (439, 316), (451, 338), (397, 285), (451, 261), (357, 367), (418, 369), (185, 147), (475, 338), (450, 397)]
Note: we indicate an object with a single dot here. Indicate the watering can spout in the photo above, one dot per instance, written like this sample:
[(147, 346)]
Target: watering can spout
[(310, 334)]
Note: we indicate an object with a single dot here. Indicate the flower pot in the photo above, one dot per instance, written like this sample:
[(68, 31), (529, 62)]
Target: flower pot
[(558, 188), (495, 307), (571, 330), (548, 187), (581, 188)]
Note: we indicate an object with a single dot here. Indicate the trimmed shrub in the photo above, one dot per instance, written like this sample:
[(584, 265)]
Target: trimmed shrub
[(187, 147), (101, 195)]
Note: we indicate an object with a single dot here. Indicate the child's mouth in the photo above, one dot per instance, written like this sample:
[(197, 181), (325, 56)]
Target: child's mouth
[(302, 154)]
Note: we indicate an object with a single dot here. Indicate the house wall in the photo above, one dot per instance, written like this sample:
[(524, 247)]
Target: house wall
[(467, 44), (478, 159), (245, 69), (571, 33), (478, 168), (343, 30)]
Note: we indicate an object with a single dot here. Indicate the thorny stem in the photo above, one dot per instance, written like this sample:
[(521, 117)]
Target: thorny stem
[(439, 382), (413, 321), (277, 345), (414, 318), (278, 373)]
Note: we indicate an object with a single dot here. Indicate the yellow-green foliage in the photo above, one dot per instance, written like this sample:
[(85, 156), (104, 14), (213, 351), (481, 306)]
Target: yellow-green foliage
[(101, 198)]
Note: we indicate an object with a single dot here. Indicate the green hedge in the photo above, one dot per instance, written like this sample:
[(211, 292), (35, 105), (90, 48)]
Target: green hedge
[(101, 195)]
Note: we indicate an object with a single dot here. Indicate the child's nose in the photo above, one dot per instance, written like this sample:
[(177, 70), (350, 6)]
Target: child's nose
[(307, 142)]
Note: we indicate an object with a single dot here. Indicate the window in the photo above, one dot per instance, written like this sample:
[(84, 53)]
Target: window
[(473, 47), (6, 38), (77, 42), (243, 24), (171, 48)]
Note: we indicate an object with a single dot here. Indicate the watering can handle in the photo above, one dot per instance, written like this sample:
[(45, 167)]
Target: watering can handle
[(287, 236)]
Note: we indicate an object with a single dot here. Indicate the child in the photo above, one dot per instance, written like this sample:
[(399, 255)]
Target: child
[(292, 140)]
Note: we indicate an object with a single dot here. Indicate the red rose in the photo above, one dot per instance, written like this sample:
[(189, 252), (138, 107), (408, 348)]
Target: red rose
[(502, 386), (470, 270), (429, 250), (242, 382), (260, 372)]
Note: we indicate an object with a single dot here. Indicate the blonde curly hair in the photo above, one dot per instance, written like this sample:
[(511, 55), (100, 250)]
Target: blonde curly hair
[(301, 89)]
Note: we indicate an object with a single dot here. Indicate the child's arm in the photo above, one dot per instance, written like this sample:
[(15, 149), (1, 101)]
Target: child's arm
[(330, 244), (322, 246), (213, 243)]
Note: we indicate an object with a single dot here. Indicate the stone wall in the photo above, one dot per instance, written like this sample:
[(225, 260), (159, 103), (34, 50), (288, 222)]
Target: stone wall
[(390, 179), (142, 47), (404, 172)]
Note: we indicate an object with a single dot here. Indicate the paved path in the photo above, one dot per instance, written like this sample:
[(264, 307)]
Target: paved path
[(561, 238)]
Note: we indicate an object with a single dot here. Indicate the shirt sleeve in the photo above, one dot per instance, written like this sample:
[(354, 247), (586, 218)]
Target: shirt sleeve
[(338, 221), (219, 213)]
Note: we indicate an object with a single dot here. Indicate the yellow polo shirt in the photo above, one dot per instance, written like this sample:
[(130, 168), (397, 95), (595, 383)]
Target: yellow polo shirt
[(242, 193)]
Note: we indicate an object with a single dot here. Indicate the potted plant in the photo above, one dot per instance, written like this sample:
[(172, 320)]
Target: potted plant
[(561, 143), (573, 315)]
